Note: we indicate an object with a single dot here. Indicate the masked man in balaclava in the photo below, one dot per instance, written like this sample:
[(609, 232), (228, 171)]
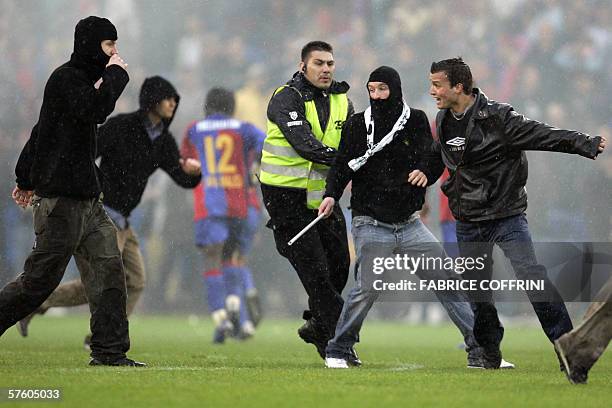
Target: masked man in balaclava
[(132, 146), (386, 152), (57, 175)]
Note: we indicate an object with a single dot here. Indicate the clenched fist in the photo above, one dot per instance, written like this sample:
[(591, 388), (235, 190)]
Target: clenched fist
[(22, 198), (191, 166)]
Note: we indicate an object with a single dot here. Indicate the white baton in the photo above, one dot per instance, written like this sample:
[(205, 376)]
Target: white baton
[(306, 228)]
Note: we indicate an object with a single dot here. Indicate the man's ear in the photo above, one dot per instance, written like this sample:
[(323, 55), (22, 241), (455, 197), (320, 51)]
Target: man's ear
[(303, 67)]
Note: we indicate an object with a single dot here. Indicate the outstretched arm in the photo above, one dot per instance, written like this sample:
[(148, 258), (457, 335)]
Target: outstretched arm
[(527, 134), (185, 171)]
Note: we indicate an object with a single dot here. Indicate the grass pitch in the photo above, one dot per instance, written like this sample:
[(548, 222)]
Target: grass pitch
[(403, 366)]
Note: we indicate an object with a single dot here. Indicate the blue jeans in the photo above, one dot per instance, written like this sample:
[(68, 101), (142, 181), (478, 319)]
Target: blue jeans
[(449, 238), (410, 236), (512, 235)]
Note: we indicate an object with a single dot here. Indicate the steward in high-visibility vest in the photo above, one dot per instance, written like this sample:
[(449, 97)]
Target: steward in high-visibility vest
[(284, 166), (305, 120)]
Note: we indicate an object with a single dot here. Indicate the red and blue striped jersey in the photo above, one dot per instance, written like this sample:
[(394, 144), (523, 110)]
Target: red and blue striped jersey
[(225, 147)]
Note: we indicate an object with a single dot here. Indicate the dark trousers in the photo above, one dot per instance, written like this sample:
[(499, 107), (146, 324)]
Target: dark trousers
[(512, 235), (65, 227), (320, 257)]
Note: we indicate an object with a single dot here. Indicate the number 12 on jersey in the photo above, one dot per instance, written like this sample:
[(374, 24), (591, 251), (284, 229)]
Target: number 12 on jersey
[(229, 176)]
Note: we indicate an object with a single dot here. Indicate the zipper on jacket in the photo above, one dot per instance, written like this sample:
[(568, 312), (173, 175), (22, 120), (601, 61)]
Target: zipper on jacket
[(457, 191), (459, 164), (468, 132)]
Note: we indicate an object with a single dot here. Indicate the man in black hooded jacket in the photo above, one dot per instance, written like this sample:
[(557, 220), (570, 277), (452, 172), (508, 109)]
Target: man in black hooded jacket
[(57, 174), (131, 146), (387, 153)]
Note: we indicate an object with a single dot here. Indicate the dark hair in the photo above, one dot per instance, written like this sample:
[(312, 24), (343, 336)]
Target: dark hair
[(219, 100), (457, 71), (315, 46), (154, 90)]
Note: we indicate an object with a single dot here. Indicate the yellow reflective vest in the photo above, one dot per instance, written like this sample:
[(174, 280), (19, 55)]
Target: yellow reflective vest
[(282, 166)]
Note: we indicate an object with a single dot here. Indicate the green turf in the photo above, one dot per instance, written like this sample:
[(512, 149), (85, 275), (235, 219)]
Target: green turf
[(403, 366)]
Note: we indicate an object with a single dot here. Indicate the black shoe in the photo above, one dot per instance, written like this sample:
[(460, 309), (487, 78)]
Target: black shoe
[(491, 358), (254, 307), (474, 358), (225, 329), (352, 359), (121, 362), (310, 334), (234, 319)]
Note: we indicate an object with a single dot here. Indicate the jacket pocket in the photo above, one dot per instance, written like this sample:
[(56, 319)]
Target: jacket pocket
[(42, 208)]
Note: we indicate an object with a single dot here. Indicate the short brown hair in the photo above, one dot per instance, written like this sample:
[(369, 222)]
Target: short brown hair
[(315, 46), (457, 71)]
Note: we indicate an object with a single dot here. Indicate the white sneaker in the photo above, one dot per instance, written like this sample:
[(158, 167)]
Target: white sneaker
[(331, 362), (247, 330)]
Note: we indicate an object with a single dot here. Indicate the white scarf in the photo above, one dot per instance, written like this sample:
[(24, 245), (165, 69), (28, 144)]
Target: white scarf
[(357, 163)]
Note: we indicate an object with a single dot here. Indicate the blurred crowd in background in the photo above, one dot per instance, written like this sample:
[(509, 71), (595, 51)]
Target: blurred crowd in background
[(549, 58)]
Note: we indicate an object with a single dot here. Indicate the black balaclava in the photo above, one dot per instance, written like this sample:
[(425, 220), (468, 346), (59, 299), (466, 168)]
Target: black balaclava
[(153, 91), (88, 34), (385, 112)]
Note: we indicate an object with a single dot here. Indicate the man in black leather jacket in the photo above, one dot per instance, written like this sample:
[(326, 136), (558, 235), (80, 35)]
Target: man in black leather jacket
[(483, 143)]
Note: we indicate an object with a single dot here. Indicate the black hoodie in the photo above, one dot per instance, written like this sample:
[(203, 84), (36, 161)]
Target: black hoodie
[(59, 158), (129, 156), (380, 188)]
